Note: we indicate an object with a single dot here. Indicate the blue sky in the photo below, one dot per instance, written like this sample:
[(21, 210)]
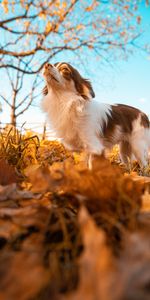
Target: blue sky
[(128, 81), (123, 82)]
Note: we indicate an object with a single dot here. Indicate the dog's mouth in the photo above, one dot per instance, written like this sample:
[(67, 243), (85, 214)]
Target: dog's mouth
[(54, 78), (49, 76)]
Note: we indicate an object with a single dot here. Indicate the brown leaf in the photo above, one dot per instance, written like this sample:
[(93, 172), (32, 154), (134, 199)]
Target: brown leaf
[(22, 275), (134, 267), (96, 263), (104, 189), (39, 178), (12, 192), (7, 173), (146, 202)]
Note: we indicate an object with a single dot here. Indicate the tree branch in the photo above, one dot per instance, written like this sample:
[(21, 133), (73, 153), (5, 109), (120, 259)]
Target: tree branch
[(5, 100)]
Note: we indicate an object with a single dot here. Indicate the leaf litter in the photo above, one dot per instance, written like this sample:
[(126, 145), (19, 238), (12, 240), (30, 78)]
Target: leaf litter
[(67, 232)]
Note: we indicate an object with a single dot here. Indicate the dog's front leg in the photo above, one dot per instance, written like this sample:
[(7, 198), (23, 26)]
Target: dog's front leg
[(91, 157), (89, 160), (94, 148)]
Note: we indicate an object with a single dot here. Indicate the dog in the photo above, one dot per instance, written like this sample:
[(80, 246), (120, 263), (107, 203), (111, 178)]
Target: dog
[(86, 124)]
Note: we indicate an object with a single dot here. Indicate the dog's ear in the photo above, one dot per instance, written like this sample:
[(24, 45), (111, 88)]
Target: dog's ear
[(88, 89), (82, 85), (45, 90), (84, 88)]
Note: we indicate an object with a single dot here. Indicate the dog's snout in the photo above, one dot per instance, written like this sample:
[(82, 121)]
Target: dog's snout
[(48, 65)]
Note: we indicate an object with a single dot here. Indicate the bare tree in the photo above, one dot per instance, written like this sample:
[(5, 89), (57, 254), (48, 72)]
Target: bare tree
[(18, 103)]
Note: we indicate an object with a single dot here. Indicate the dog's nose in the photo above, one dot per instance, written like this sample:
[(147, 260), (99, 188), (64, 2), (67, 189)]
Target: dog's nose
[(48, 65)]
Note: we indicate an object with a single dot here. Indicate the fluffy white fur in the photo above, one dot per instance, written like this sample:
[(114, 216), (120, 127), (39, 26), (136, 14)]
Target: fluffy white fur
[(79, 122)]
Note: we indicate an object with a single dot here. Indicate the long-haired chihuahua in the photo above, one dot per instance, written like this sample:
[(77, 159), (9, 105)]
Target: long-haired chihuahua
[(86, 124)]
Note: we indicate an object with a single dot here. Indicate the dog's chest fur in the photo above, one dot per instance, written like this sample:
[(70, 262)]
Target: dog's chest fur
[(66, 116)]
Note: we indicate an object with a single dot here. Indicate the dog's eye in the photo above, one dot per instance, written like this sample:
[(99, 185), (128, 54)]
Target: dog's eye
[(66, 73), (65, 70)]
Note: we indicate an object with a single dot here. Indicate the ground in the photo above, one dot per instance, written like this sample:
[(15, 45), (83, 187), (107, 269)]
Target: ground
[(67, 232)]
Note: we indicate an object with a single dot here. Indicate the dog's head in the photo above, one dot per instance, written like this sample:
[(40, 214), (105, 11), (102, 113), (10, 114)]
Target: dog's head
[(62, 76)]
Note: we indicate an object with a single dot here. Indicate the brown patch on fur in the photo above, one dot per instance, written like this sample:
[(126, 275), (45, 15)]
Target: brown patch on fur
[(145, 121), (82, 85), (122, 115)]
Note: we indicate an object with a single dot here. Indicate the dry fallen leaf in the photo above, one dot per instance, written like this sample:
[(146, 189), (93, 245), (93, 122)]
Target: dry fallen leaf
[(134, 267), (112, 198), (96, 264), (7, 173), (146, 202), (25, 276), (39, 178), (103, 276), (11, 191)]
